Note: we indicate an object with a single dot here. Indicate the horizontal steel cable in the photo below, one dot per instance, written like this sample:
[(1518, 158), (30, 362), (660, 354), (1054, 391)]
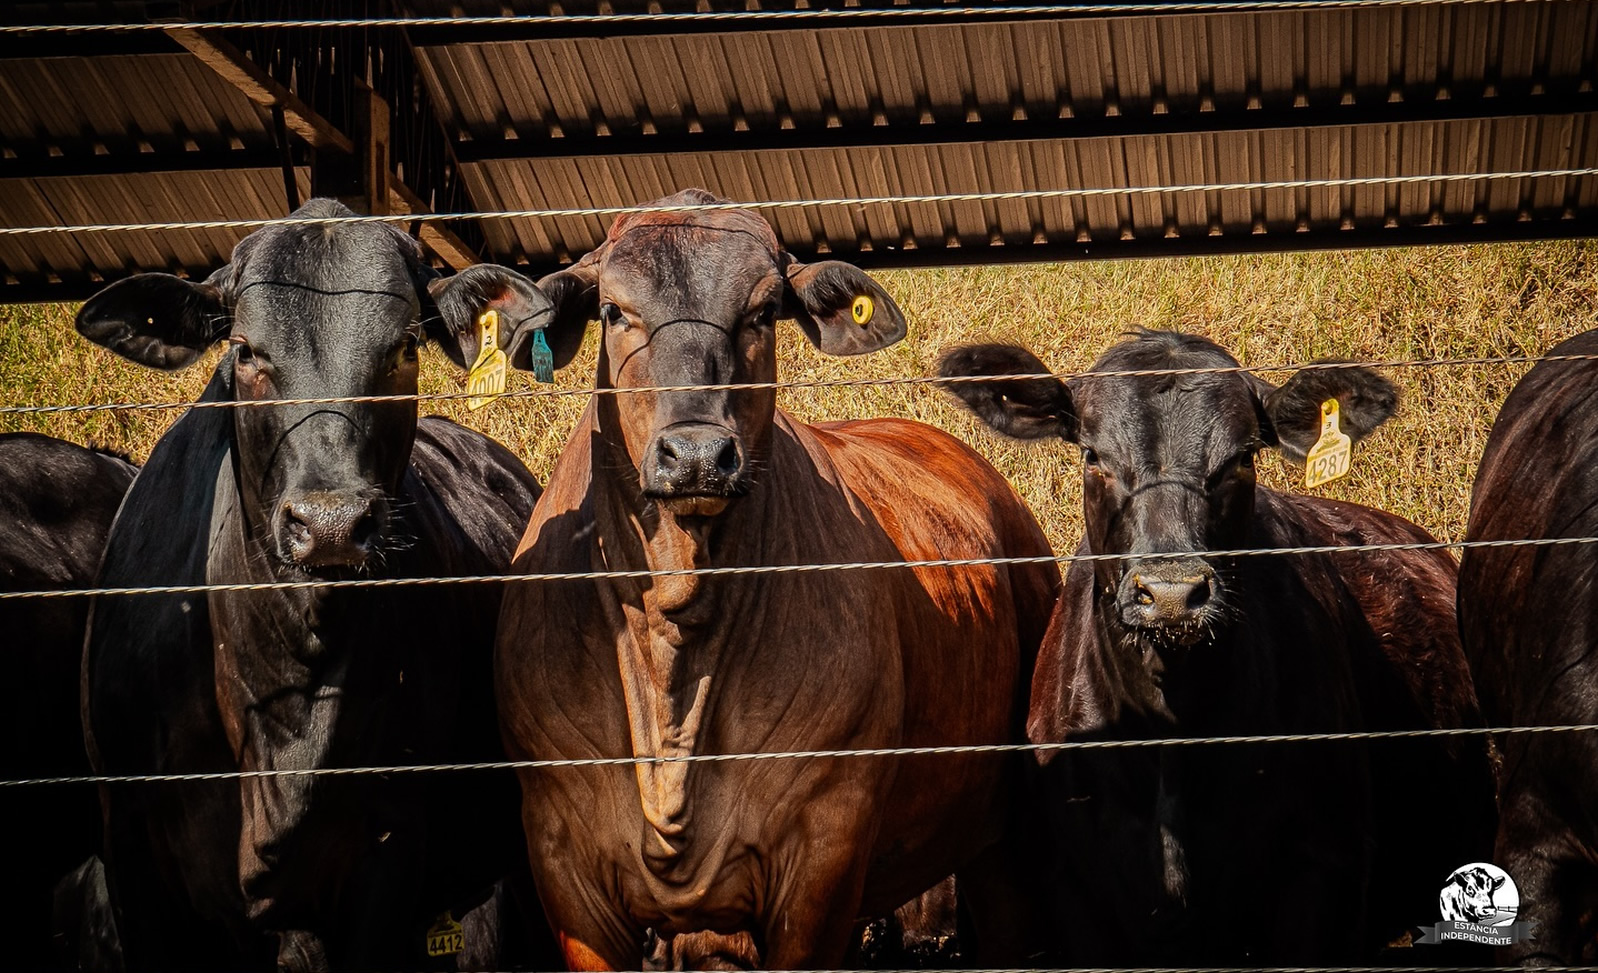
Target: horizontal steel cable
[(1051, 11), (1351, 182), (912, 380), (1242, 969), (194, 589), (698, 758)]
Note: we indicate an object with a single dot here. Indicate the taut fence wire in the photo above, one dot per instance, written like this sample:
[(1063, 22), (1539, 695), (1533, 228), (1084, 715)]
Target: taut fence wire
[(907, 380), (808, 568), (700, 758), (1019, 195), (751, 17)]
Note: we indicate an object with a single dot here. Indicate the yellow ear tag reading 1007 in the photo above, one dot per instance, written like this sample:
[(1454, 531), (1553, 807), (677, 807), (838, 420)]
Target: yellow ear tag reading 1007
[(1332, 454), (486, 381), (444, 937)]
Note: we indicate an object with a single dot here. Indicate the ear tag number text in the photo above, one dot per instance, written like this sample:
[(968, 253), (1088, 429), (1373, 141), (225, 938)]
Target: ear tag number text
[(486, 381), (1332, 454), (444, 937)]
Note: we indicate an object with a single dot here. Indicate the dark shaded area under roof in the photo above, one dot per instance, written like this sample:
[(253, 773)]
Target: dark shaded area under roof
[(916, 99)]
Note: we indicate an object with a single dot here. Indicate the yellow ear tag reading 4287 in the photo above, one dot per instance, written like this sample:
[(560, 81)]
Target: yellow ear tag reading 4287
[(444, 937), (486, 381), (1332, 454)]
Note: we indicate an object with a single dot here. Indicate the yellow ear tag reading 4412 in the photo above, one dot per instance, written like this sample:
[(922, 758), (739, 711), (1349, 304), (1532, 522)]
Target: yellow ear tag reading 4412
[(1332, 454), (444, 936), (862, 310), (486, 381)]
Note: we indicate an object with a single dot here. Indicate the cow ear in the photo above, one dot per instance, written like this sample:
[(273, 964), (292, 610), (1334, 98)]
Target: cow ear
[(574, 293), (463, 298), (840, 309), (157, 320), (1025, 408), (1292, 413)]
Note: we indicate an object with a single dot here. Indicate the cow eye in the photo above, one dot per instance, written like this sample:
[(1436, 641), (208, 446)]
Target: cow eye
[(244, 353), (408, 347), (609, 314), (1089, 456)]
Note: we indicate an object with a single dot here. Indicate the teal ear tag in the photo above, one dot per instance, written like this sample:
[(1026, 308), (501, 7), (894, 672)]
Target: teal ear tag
[(541, 358)]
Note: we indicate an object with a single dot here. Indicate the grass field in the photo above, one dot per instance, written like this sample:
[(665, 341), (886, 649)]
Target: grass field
[(1393, 304)]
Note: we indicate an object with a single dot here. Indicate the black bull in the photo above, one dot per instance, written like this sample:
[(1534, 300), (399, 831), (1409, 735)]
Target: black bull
[(1529, 616), (307, 871), (57, 500), (1254, 853)]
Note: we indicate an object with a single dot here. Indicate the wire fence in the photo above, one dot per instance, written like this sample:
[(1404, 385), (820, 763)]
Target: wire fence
[(799, 18), (750, 17), (807, 568), (700, 758), (905, 380), (1020, 195)]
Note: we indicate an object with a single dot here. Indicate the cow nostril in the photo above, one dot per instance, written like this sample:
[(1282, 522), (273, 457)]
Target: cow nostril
[(297, 522), (667, 454), (728, 461), (1141, 593), (1199, 594), (365, 528)]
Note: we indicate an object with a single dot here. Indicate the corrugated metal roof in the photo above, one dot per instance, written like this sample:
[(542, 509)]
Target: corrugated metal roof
[(954, 73), (572, 113)]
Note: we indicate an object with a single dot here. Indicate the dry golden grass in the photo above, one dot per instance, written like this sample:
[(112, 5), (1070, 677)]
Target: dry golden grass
[(1395, 304)]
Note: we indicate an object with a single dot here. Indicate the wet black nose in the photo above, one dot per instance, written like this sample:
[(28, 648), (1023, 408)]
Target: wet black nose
[(323, 530), (1166, 594), (694, 460)]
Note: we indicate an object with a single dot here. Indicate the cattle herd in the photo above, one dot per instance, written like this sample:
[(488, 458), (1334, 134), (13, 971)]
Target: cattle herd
[(245, 676)]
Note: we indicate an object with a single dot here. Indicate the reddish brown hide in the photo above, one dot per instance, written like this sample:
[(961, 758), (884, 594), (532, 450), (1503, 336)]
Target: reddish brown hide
[(785, 854)]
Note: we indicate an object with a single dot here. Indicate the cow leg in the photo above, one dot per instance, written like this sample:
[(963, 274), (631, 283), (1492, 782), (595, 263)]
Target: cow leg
[(590, 932), (1558, 885), (158, 929), (810, 919), (998, 893)]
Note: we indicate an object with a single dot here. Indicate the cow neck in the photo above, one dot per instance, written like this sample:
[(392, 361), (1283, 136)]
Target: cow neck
[(677, 628)]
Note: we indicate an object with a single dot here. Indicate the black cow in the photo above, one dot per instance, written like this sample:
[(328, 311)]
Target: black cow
[(1529, 616), (57, 500), (1254, 853), (345, 871)]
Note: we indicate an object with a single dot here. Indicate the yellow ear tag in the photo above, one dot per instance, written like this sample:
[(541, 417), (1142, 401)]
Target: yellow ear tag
[(863, 308), (1332, 454), (444, 936), (486, 381)]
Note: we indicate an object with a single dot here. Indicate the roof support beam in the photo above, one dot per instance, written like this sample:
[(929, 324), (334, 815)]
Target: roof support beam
[(383, 193), (1031, 130), (256, 84)]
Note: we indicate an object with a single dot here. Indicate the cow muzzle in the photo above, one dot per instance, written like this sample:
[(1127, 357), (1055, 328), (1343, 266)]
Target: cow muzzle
[(694, 466), (1175, 599), (322, 530)]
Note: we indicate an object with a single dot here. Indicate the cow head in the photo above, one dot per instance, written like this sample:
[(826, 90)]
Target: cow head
[(309, 312), (693, 298), (1470, 894), (1168, 460)]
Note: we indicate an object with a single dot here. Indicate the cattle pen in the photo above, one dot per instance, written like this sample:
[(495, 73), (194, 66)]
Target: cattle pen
[(1325, 189)]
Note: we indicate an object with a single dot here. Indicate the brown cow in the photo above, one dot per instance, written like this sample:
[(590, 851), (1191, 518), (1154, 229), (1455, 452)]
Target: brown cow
[(776, 858)]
